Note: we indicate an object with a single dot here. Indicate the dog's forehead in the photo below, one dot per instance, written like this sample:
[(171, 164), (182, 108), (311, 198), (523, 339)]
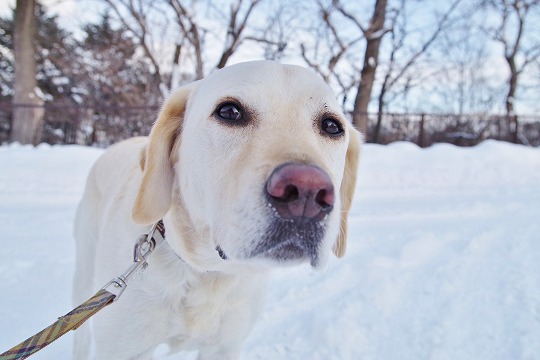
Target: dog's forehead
[(266, 80)]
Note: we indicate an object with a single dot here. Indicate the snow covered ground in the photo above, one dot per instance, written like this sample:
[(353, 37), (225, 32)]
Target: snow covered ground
[(443, 260)]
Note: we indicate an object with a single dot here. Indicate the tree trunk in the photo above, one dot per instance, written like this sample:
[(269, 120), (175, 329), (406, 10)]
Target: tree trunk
[(373, 37), (380, 110), (175, 73), (511, 117), (198, 53), (512, 85), (27, 111)]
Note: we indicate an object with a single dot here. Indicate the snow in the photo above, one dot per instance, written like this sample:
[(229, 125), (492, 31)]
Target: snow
[(443, 258), (378, 34)]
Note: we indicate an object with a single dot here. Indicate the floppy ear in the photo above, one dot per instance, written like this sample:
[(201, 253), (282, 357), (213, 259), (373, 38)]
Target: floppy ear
[(348, 185), (155, 193)]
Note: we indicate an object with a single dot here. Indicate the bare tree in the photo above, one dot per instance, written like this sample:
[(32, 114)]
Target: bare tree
[(276, 32), (510, 32), (465, 85), (396, 71), (235, 28), (373, 34), (135, 15), (330, 49), (341, 49), (27, 114), (191, 31)]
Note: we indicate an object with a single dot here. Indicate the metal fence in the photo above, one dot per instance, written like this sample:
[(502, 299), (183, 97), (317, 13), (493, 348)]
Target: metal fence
[(104, 125), (86, 125), (461, 130)]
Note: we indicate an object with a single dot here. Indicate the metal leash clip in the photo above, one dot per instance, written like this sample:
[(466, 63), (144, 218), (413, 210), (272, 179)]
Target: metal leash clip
[(143, 248)]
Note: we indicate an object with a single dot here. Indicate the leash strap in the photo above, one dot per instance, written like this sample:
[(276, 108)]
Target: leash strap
[(64, 324), (108, 294)]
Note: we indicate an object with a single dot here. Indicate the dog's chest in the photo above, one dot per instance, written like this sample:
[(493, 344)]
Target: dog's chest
[(209, 308)]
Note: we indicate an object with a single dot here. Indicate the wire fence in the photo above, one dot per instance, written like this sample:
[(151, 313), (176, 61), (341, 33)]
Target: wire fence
[(102, 126), (86, 125), (461, 130)]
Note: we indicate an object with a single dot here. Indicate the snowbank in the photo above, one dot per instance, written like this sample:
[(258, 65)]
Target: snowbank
[(443, 259)]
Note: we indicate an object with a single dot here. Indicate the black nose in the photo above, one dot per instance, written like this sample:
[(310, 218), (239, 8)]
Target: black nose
[(300, 191)]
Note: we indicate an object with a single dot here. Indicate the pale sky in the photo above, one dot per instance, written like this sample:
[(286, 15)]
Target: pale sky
[(72, 13)]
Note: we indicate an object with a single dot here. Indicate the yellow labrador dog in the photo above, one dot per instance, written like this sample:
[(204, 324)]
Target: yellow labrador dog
[(251, 168)]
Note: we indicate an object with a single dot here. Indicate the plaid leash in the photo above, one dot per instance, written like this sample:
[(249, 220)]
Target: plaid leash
[(111, 292), (64, 324)]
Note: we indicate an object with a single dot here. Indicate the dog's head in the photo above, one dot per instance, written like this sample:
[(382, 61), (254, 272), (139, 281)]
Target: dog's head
[(255, 164)]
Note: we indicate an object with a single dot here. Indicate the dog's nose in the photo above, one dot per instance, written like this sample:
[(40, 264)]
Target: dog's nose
[(300, 191)]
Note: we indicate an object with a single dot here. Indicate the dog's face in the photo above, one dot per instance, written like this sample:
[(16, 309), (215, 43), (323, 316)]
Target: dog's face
[(257, 159)]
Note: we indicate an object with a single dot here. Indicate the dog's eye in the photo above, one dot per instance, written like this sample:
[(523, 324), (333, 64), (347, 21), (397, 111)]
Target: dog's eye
[(229, 112), (332, 127)]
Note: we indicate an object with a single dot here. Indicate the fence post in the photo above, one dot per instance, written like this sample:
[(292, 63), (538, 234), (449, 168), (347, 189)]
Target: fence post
[(421, 131), (516, 130)]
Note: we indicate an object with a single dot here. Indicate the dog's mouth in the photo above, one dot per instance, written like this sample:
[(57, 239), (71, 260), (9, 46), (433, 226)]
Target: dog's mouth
[(291, 240), (221, 253), (288, 250)]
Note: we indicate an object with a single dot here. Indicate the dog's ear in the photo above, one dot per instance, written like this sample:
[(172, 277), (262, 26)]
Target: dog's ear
[(155, 193), (348, 186)]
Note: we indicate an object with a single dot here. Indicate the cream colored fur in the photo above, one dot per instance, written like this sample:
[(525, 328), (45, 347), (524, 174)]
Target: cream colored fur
[(205, 178)]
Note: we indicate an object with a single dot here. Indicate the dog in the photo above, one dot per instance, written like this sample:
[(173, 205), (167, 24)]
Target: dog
[(252, 168)]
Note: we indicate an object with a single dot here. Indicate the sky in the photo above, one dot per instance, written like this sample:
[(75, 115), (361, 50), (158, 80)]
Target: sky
[(71, 12)]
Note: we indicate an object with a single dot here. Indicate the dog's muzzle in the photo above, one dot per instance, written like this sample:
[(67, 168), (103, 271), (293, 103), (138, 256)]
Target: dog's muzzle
[(300, 196)]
